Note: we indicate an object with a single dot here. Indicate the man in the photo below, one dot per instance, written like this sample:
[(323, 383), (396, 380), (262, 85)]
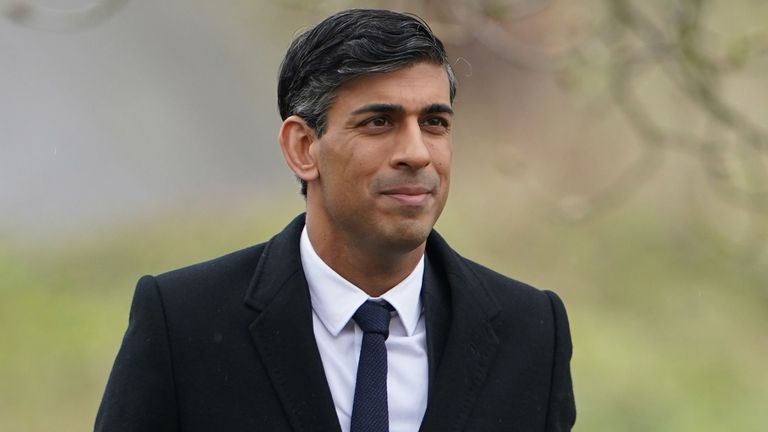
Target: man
[(357, 316)]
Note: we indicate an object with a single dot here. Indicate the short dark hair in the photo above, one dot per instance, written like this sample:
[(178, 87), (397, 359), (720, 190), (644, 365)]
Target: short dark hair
[(344, 46)]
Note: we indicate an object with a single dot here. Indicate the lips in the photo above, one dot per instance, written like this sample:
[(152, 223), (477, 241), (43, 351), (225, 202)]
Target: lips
[(409, 195)]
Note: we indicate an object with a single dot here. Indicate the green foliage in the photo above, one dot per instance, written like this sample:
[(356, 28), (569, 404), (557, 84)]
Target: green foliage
[(669, 334), (64, 306), (668, 321)]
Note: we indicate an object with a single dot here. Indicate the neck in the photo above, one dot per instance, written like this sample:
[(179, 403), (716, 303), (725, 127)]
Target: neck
[(372, 268)]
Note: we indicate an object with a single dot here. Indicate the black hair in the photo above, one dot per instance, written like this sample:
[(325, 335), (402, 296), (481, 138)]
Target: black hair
[(344, 46)]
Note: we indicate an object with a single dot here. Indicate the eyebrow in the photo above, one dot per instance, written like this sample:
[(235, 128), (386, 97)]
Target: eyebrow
[(436, 108), (379, 108), (394, 108)]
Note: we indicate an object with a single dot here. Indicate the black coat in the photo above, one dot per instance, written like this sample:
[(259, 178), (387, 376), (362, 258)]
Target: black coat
[(228, 345)]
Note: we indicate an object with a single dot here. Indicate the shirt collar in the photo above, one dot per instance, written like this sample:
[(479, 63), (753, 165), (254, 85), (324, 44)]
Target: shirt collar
[(335, 299)]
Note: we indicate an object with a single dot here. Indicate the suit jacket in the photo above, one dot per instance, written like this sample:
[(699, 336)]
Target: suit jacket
[(228, 345)]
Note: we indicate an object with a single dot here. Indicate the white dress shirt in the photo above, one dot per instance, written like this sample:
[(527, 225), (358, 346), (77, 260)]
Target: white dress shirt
[(334, 301)]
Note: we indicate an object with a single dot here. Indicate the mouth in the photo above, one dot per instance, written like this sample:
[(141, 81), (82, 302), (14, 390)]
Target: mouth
[(408, 195)]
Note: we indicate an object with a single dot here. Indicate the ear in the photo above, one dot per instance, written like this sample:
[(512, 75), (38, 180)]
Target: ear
[(297, 141)]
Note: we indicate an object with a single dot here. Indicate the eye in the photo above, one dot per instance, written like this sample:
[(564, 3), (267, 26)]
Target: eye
[(436, 123), (376, 122)]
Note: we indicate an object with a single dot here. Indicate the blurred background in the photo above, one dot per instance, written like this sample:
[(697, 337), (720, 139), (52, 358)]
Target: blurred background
[(614, 151)]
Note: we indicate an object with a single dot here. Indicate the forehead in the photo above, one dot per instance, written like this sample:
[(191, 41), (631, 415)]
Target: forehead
[(413, 87)]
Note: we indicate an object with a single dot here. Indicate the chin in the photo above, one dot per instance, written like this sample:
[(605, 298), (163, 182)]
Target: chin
[(408, 235)]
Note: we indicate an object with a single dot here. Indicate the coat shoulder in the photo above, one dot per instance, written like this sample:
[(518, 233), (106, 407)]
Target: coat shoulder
[(231, 265), (499, 289), (197, 287), (510, 291)]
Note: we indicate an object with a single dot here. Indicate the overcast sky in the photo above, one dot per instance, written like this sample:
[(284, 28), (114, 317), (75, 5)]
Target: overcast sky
[(161, 103)]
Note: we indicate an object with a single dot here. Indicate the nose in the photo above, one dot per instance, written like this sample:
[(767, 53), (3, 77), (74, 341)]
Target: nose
[(411, 150)]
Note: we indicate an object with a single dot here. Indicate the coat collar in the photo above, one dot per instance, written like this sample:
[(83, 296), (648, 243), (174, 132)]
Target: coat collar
[(460, 334), (283, 333), (461, 338)]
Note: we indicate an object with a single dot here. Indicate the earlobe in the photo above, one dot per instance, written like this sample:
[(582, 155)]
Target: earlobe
[(297, 142)]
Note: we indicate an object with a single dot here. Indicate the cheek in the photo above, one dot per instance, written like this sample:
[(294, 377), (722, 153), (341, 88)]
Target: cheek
[(441, 158), (363, 164), (347, 176)]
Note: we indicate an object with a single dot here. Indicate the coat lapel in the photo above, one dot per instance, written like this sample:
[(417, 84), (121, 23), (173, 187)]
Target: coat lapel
[(283, 333), (461, 339), (437, 309)]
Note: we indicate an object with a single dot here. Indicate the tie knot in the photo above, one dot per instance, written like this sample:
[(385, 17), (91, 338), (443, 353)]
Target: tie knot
[(373, 317)]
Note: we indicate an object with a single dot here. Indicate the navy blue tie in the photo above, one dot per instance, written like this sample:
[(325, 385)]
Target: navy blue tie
[(370, 412)]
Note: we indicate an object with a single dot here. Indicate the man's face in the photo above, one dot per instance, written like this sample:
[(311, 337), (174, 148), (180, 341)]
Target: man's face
[(384, 160)]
